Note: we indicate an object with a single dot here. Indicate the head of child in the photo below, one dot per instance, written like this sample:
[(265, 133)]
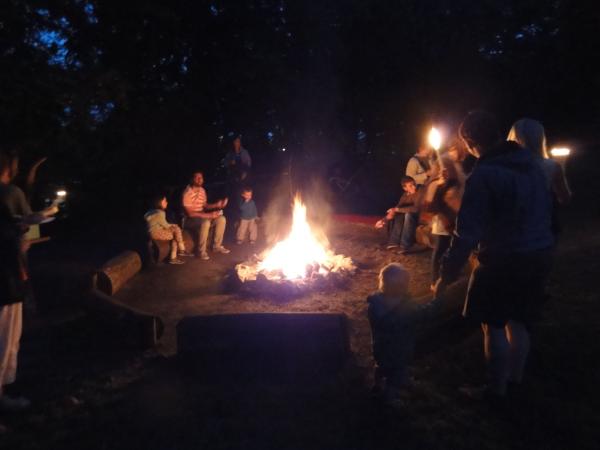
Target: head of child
[(409, 185), (393, 280), (160, 202), (247, 194)]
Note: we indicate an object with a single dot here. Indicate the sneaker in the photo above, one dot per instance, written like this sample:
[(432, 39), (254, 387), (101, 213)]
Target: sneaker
[(176, 261), (221, 249), (252, 242), (185, 253), (391, 246), (204, 256), (13, 404), (239, 242)]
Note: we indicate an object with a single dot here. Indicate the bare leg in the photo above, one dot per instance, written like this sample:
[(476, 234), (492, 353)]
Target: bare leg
[(497, 356), (520, 343)]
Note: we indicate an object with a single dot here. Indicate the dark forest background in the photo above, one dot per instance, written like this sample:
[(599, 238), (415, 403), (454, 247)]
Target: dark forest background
[(122, 95)]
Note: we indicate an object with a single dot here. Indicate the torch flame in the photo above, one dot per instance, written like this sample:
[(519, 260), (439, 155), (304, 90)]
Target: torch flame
[(435, 139), (560, 152)]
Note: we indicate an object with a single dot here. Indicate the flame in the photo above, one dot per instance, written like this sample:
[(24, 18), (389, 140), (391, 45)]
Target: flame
[(560, 151), (299, 250), (435, 139), (300, 255)]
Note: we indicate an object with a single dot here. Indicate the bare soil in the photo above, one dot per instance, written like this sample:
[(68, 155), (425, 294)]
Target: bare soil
[(93, 391)]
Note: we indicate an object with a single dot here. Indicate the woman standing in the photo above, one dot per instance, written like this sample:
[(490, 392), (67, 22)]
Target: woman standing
[(530, 134)]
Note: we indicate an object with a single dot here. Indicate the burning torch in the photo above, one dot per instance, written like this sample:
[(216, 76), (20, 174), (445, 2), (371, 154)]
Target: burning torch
[(435, 141), (560, 154)]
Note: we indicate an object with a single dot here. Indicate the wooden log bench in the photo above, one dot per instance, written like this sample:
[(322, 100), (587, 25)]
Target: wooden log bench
[(143, 328), (158, 251)]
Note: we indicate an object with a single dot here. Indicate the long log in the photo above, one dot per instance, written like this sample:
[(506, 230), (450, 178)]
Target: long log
[(116, 272)]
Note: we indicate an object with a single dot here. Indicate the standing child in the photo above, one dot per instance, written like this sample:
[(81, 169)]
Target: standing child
[(248, 217), (393, 318), (161, 230)]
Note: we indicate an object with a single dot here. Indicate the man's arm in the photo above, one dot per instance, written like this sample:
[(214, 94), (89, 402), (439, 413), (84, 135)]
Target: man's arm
[(470, 224)]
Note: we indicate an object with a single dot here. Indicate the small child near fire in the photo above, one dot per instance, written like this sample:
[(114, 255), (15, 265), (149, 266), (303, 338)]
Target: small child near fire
[(394, 318), (248, 218), (161, 230)]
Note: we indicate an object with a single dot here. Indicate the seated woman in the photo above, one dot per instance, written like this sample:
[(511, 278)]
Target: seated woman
[(161, 230)]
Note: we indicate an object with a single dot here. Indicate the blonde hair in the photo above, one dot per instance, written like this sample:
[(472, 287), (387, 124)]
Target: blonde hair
[(394, 274), (530, 134)]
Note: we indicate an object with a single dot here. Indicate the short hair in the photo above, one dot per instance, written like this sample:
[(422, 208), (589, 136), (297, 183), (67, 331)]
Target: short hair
[(247, 189), (393, 273), (479, 128), (530, 134), (157, 199), (406, 179), (195, 172)]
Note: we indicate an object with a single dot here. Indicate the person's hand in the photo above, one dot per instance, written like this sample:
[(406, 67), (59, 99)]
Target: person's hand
[(380, 223), (216, 214), (50, 211)]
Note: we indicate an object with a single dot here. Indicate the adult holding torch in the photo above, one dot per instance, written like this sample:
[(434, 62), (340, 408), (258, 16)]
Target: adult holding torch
[(506, 213), (15, 216)]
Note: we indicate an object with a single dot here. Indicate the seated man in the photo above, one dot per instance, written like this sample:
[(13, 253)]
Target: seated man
[(200, 216), (405, 217)]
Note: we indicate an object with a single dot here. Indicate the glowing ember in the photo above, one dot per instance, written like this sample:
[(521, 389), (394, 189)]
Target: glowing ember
[(299, 256)]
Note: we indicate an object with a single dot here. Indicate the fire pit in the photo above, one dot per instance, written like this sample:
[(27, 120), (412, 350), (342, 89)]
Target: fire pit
[(295, 265)]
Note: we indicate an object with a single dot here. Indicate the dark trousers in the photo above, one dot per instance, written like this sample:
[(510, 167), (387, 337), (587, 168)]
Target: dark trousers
[(442, 243), (403, 229)]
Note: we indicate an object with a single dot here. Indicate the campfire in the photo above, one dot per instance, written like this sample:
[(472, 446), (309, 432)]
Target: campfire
[(301, 258)]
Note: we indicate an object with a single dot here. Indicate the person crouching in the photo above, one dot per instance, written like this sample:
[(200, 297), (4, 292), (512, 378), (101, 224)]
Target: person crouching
[(161, 230), (393, 318)]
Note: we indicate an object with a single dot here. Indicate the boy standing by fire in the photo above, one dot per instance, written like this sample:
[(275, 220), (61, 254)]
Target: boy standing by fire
[(248, 218), (394, 318)]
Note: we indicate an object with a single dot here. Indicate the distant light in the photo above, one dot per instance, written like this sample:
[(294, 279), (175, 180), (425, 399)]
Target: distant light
[(560, 152), (283, 149), (62, 193)]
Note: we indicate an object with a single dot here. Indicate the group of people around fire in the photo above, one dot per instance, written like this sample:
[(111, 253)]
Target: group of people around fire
[(497, 199), (486, 195)]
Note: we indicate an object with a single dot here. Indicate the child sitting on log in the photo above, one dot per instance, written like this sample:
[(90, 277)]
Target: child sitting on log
[(248, 217), (393, 318), (161, 230)]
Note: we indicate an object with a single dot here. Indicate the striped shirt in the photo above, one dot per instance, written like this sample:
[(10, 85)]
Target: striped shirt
[(194, 198)]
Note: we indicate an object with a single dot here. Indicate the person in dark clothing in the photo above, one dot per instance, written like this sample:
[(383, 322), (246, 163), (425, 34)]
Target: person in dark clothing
[(403, 217), (506, 213), (394, 318)]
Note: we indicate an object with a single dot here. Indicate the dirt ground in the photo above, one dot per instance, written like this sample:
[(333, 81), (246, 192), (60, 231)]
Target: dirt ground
[(92, 391)]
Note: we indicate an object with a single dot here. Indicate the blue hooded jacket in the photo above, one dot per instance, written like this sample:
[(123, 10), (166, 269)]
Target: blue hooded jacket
[(506, 209)]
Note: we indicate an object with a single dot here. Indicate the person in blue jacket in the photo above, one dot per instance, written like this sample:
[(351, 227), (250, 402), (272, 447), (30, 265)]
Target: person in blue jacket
[(506, 215)]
